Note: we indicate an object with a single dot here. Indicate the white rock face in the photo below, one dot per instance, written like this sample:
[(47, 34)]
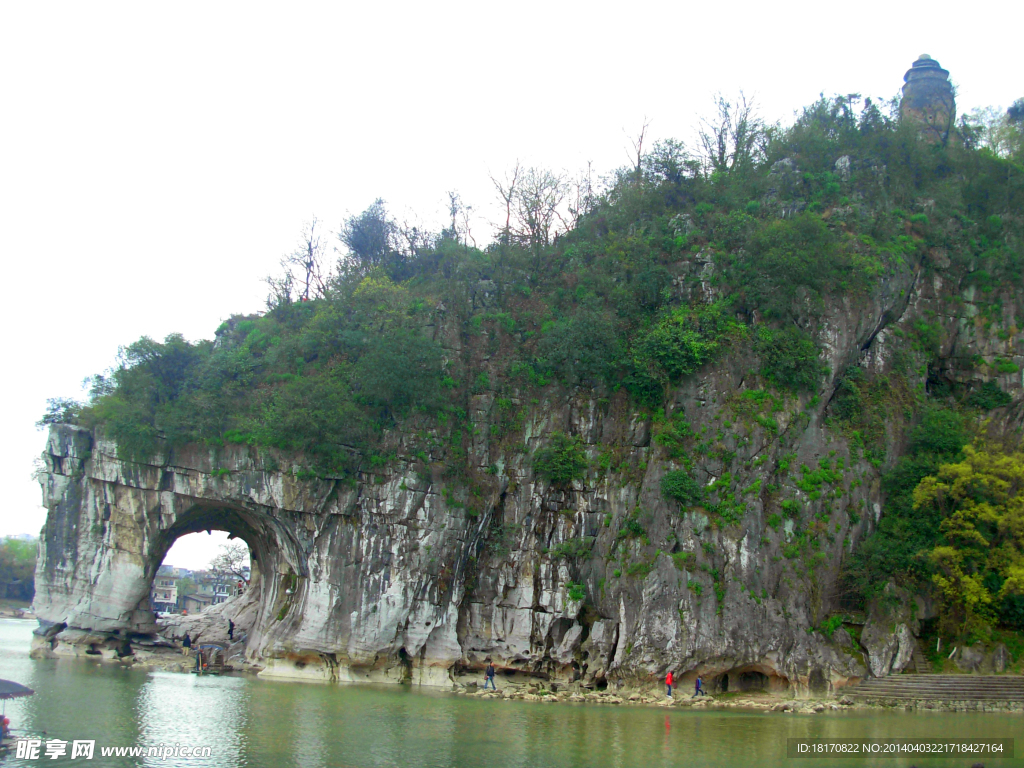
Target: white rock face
[(426, 568), (889, 634), (385, 581)]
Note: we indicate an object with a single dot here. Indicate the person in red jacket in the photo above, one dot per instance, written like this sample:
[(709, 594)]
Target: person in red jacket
[(668, 682)]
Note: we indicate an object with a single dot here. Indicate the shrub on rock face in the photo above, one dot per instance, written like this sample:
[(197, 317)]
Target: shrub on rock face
[(988, 396), (679, 485), (790, 359), (581, 348), (400, 371), (563, 461), (677, 345)]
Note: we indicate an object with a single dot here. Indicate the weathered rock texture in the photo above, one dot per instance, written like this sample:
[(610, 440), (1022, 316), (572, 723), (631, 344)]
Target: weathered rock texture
[(890, 632), (412, 571)]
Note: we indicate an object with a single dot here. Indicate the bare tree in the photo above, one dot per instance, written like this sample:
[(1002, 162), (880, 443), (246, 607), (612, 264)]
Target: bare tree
[(638, 148), (507, 190), (306, 273), (414, 238), (310, 258), (734, 138), (582, 196), (536, 213), (281, 290), (454, 206), (466, 221), (232, 560), (461, 215)]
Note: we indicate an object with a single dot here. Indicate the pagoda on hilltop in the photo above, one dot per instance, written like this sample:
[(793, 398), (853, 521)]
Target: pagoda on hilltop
[(928, 98)]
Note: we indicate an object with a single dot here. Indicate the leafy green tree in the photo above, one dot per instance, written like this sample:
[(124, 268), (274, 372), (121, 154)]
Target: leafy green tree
[(17, 569), (981, 503), (1001, 132), (60, 410), (906, 533), (677, 345), (795, 260), (318, 416), (679, 485), (790, 359), (370, 239)]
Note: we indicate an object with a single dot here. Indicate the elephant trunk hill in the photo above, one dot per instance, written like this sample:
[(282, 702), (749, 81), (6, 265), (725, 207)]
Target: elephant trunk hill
[(659, 442)]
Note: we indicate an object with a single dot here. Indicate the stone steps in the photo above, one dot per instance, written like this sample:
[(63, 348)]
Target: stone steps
[(942, 688), (921, 664)]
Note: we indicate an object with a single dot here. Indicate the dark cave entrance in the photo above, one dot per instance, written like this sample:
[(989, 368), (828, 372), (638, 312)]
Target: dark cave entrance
[(747, 680)]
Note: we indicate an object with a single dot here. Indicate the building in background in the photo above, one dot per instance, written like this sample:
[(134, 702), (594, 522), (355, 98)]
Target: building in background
[(163, 595), (179, 589)]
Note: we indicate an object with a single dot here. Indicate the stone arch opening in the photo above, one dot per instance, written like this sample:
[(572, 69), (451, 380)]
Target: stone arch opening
[(209, 588), (263, 542), (272, 551), (201, 570)]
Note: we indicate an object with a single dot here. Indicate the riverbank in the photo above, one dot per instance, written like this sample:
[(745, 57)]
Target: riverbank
[(170, 659), (258, 723), (16, 609), (763, 702)]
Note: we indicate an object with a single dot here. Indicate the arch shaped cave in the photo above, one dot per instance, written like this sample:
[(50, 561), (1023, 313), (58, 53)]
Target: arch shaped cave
[(749, 679), (269, 544)]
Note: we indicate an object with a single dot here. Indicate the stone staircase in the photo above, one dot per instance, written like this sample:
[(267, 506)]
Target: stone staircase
[(941, 688), (921, 664)]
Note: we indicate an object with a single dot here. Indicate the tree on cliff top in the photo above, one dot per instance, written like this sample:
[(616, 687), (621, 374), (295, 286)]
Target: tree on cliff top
[(411, 324), (371, 242)]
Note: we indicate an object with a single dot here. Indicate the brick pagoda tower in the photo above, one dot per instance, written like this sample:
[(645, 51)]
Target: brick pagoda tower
[(928, 98)]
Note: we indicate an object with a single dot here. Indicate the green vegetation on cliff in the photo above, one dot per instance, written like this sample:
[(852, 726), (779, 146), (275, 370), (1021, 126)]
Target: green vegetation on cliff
[(743, 253), (979, 564)]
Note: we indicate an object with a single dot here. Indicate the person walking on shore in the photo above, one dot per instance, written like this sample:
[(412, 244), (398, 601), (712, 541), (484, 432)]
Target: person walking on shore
[(186, 645), (231, 630), (699, 688), (668, 683), (489, 677)]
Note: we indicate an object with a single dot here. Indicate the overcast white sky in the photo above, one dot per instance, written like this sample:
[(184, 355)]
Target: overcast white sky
[(156, 160)]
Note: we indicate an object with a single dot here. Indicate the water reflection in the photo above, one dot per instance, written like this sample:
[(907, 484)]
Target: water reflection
[(255, 724), (177, 710)]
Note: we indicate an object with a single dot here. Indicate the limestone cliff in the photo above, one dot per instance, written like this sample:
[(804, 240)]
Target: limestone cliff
[(390, 577)]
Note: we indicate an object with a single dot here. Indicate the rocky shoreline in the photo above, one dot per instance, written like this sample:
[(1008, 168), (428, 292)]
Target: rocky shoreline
[(17, 613), (755, 702), (170, 659)]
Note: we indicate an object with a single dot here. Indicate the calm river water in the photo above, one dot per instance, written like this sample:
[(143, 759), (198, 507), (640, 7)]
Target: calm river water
[(261, 724)]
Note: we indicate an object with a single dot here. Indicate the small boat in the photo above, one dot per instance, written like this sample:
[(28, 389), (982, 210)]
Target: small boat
[(10, 690), (210, 659)]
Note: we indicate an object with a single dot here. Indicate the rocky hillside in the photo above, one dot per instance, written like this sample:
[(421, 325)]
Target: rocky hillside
[(659, 440)]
